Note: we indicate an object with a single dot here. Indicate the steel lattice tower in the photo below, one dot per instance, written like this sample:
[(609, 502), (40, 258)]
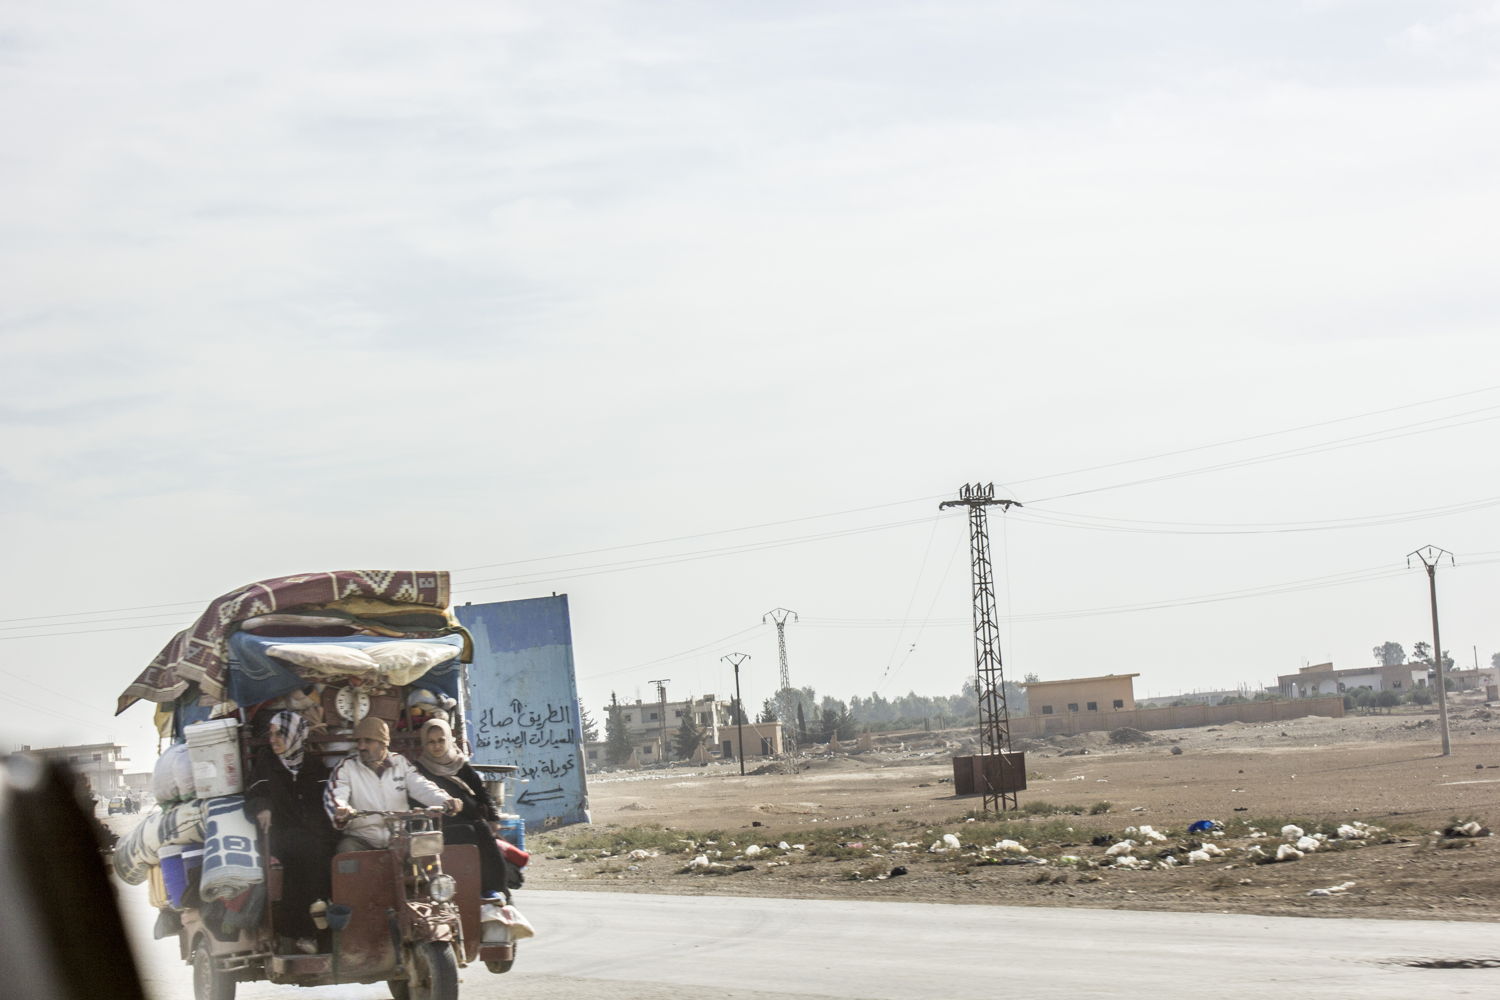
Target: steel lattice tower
[(785, 709), (989, 675)]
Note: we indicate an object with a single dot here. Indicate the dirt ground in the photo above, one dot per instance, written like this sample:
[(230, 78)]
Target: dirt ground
[(859, 817)]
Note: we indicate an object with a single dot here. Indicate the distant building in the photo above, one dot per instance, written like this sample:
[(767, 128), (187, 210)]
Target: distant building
[(653, 728), (102, 765), (1322, 678), (1110, 693)]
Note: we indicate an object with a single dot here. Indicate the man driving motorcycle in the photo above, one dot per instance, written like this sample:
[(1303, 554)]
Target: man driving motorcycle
[(376, 780)]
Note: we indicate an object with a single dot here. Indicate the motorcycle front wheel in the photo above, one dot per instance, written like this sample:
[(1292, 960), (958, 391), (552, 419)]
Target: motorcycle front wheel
[(432, 973)]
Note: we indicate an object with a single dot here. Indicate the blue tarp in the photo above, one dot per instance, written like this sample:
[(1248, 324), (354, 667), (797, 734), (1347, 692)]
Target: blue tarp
[(255, 676)]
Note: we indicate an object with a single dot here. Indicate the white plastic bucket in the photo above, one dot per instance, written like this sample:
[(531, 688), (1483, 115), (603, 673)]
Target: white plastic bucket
[(215, 749)]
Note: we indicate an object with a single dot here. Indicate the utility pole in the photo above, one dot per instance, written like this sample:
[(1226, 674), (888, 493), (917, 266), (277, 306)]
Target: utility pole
[(783, 696), (989, 674), (1431, 555), (734, 660), (661, 698)]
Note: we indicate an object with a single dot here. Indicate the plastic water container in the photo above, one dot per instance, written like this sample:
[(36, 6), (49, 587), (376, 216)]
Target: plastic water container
[(513, 829), (173, 873), (215, 749)]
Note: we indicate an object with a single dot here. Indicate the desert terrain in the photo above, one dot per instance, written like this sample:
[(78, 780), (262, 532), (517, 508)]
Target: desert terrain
[(1371, 794)]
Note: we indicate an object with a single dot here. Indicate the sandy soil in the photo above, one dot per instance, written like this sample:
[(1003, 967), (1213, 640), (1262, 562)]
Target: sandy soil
[(1320, 774)]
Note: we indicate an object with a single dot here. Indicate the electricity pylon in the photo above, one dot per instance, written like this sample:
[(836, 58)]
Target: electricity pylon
[(785, 707), (989, 675)]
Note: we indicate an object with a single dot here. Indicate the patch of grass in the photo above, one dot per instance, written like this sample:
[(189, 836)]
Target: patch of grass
[(843, 843), (620, 840), (1100, 808)]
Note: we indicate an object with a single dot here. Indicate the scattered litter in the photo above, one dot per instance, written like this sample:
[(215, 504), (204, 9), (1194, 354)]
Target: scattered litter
[(897, 871), (783, 846), (1469, 829), (1196, 856), (1203, 826), (951, 841), (1332, 890), (1307, 844), (1123, 847), (1286, 852), (1128, 862), (1009, 847), (1176, 751), (1290, 833), (752, 850), (701, 861), (640, 855)]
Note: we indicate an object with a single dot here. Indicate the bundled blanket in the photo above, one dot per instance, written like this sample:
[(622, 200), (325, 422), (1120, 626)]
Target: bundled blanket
[(172, 778), (231, 860), (136, 854)]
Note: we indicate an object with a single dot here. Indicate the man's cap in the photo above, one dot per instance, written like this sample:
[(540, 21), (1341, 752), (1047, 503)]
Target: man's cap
[(371, 728)]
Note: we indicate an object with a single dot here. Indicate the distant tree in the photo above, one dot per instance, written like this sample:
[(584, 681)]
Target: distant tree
[(803, 736), (617, 737), (1389, 654), (1495, 660), (1421, 652), (1420, 696), (736, 712), (688, 739), (587, 724), (767, 711), (1387, 699), (828, 725)]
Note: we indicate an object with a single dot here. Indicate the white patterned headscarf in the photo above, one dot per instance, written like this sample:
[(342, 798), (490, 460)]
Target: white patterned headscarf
[(449, 760), (291, 727)]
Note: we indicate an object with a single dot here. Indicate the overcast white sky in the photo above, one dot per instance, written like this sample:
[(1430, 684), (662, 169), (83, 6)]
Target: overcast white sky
[(659, 304)]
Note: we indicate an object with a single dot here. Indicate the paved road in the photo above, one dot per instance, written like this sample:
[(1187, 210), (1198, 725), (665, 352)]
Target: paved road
[(625, 946)]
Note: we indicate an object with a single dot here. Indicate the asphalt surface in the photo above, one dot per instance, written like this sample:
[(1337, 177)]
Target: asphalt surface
[(620, 945)]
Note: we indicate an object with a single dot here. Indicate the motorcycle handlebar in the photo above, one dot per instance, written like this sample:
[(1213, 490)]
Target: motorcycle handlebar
[(399, 813)]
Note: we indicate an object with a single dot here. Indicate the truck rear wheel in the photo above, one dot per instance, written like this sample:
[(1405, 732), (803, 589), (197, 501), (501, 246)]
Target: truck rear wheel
[(209, 983)]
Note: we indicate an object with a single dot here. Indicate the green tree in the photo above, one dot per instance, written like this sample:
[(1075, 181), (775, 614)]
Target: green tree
[(616, 736), (736, 712), (1389, 654), (1387, 700), (1421, 652), (587, 724), (688, 739), (1419, 696), (1495, 660)]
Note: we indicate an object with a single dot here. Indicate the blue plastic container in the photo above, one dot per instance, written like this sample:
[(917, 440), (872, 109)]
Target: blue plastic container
[(173, 873), (513, 829)]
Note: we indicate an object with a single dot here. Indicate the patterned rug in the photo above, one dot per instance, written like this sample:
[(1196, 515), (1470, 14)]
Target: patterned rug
[(201, 653)]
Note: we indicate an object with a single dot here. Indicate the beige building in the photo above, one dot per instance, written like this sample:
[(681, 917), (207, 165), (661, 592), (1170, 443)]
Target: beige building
[(1082, 695), (1321, 679), (762, 739), (101, 764)]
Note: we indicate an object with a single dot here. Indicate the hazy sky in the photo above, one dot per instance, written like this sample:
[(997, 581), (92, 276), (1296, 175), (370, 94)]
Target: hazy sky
[(694, 310)]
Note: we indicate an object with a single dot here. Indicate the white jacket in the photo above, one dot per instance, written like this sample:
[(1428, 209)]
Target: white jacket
[(397, 785)]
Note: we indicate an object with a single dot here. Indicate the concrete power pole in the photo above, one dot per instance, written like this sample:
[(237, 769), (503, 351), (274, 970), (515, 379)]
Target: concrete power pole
[(785, 709), (1431, 555), (734, 660), (989, 676), (661, 698)]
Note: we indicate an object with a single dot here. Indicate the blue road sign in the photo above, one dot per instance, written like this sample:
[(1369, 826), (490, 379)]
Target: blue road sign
[(523, 706)]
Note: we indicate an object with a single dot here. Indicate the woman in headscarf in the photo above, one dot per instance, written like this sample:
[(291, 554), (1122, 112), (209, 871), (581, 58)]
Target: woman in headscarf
[(477, 821), (285, 799)]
